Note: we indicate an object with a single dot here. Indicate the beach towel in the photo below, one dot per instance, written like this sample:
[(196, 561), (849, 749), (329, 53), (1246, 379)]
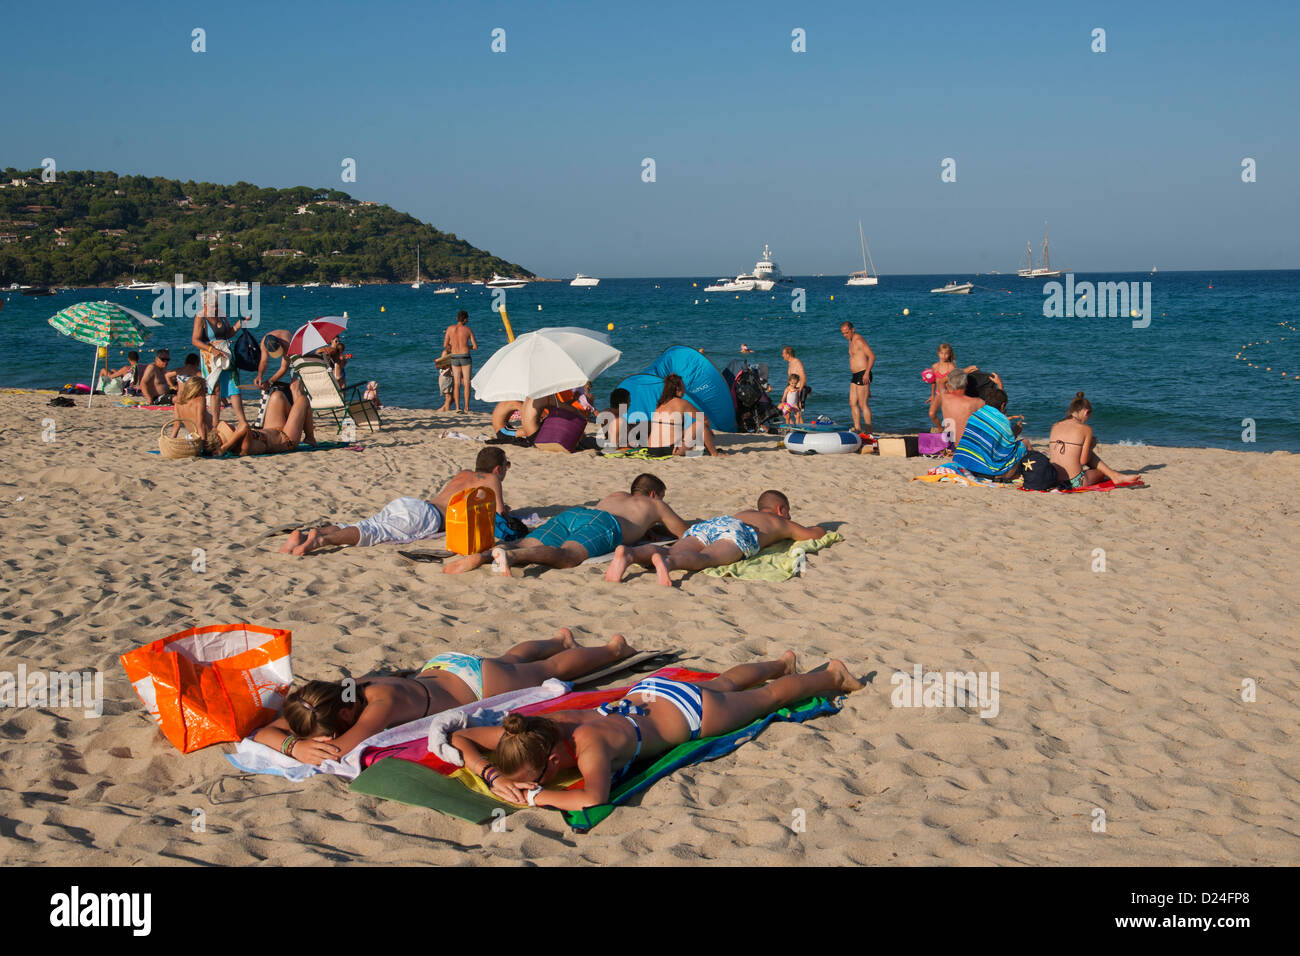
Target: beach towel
[(960, 476), (252, 757), (988, 446), (640, 453), (777, 562)]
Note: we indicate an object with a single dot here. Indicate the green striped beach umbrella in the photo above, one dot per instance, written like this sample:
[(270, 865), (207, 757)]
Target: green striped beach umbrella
[(103, 324)]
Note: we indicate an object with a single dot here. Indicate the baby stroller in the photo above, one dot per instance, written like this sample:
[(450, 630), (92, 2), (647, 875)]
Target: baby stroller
[(749, 392)]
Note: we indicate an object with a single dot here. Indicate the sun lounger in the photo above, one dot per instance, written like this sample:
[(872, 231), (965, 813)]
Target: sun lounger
[(327, 398)]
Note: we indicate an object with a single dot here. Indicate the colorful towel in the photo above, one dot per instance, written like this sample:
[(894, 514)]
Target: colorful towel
[(988, 446), (960, 476), (252, 757), (777, 562), (641, 453)]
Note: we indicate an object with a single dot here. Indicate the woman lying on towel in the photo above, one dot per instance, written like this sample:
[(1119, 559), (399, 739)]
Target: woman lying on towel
[(283, 426), (324, 720), (655, 716)]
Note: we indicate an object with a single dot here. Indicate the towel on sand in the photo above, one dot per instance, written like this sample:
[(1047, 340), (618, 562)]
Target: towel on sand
[(777, 562), (960, 476), (252, 757)]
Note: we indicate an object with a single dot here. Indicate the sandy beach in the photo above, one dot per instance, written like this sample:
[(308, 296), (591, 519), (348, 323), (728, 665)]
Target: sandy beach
[(1120, 691)]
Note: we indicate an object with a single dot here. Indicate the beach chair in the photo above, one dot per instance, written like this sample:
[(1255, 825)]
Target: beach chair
[(326, 397)]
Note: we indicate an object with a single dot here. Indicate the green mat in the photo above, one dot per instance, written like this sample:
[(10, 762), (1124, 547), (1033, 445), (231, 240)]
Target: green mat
[(420, 786)]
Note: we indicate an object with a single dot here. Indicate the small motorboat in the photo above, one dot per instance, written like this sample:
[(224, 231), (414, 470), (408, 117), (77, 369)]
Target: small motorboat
[(956, 288)]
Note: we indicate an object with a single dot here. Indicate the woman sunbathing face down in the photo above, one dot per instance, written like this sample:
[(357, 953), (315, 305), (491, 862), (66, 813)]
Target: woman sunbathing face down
[(655, 716), (325, 720)]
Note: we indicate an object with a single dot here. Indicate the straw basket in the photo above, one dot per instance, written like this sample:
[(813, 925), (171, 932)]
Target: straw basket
[(172, 446)]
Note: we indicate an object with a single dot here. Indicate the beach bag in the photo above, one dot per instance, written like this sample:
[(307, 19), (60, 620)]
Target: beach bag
[(1039, 473), (931, 443), (563, 427), (173, 444), (212, 685), (471, 521), (245, 352)]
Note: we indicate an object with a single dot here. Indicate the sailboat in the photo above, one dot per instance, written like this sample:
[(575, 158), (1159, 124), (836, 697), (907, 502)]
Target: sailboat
[(864, 277), (1045, 271), (416, 284)]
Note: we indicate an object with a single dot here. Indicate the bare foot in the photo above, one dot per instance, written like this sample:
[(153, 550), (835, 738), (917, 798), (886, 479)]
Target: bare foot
[(308, 543), (846, 682), (565, 637), (469, 563), (661, 568), (619, 645), (617, 565), (790, 666), (501, 562), (295, 539)]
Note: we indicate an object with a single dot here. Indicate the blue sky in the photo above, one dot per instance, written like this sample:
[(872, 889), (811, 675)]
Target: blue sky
[(1133, 155)]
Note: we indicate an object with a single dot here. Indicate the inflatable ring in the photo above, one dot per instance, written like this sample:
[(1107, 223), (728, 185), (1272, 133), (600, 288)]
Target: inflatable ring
[(822, 443)]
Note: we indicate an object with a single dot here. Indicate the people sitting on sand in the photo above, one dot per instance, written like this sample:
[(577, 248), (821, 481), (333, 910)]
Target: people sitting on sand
[(128, 373), (336, 357), (153, 378), (612, 429), (176, 377), (325, 720), (719, 541), (655, 716), (1072, 448), (988, 447), (575, 535), (956, 405), (520, 419), (405, 520), (998, 399), (283, 427), (677, 425), (190, 407)]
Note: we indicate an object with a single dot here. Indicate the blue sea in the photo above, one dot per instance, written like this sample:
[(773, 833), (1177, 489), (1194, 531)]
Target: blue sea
[(1177, 382)]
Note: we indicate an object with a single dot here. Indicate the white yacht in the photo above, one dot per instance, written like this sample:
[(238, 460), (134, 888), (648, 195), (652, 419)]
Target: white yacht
[(137, 286), (444, 290), (766, 272), (956, 288), (501, 282), (311, 285), (1045, 271), (581, 279), (864, 277), (742, 283), (343, 285), (416, 284)]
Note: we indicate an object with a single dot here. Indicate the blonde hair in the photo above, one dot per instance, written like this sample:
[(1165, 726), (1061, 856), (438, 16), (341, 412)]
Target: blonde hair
[(191, 389), (946, 353)]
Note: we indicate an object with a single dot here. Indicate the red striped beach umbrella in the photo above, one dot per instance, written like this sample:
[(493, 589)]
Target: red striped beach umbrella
[(317, 334)]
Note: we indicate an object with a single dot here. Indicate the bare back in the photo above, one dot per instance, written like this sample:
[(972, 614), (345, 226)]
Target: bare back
[(1070, 445), (669, 422), (959, 407), (637, 514), (772, 528), (471, 479), (457, 338)]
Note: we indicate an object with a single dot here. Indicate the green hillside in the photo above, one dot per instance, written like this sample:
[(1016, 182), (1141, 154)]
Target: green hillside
[(97, 228)]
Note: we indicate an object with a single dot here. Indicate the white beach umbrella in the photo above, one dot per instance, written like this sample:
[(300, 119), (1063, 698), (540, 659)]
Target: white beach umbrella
[(544, 362)]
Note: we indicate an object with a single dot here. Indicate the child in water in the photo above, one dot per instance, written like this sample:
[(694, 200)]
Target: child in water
[(324, 720)]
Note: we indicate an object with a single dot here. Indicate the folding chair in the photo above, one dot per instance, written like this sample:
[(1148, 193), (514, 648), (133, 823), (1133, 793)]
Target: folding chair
[(326, 397)]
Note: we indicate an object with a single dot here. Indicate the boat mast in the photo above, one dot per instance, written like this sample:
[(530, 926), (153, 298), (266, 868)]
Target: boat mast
[(1047, 260), (865, 253)]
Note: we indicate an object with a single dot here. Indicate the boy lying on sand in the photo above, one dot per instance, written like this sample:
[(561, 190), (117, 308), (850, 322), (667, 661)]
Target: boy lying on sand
[(718, 541), (404, 520), (655, 716), (325, 720), (573, 536)]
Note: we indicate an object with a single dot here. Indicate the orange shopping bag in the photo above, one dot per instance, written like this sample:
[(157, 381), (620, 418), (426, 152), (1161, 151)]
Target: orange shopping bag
[(472, 521), (211, 685)]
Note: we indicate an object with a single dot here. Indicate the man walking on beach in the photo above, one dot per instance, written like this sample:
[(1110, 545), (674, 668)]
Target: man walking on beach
[(408, 519), (457, 342), (861, 359), (573, 536), (719, 541)]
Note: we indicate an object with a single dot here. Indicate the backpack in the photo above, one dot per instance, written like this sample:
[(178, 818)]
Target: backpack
[(1039, 473), (245, 353)]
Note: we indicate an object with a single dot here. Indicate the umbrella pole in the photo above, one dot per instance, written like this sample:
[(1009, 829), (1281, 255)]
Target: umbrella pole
[(94, 366), (505, 320)]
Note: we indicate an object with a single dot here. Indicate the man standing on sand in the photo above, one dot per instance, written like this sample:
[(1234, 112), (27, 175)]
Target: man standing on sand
[(957, 406), (408, 519), (457, 342), (718, 541), (861, 359), (573, 536)]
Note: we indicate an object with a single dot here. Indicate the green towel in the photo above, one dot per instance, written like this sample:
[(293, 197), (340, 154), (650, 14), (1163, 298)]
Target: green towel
[(776, 562), (642, 453)]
